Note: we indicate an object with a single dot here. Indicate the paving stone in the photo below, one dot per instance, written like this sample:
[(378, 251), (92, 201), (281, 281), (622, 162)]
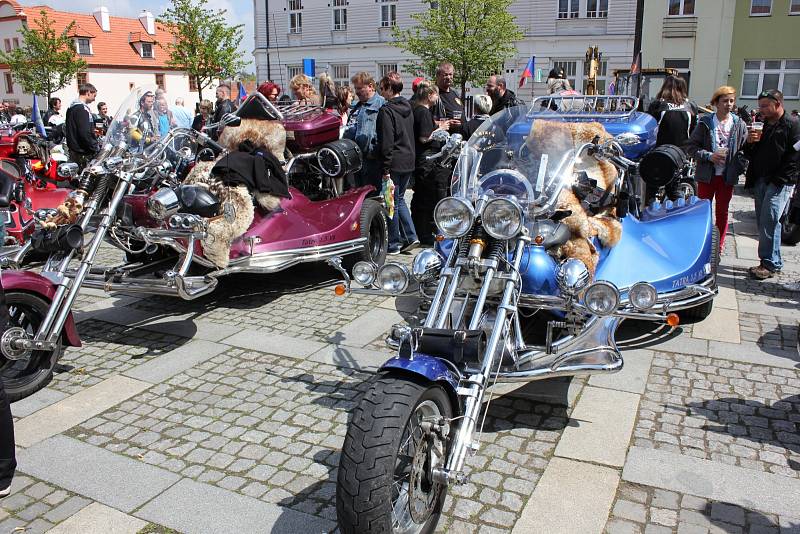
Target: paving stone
[(99, 518), (172, 363), (94, 472)]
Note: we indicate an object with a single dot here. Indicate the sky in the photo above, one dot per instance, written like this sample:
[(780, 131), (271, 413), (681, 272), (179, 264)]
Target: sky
[(238, 12)]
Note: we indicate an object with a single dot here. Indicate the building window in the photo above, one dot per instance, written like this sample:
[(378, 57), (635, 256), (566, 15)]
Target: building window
[(295, 16), (9, 83), (794, 8), (193, 85), (7, 43), (682, 66), (568, 9), (147, 50), (388, 13), (339, 15), (294, 70), (81, 78), (16, 43), (681, 7), (760, 8), (570, 69), (781, 74), (340, 74), (386, 68), (84, 46), (161, 82), (597, 9), (601, 81)]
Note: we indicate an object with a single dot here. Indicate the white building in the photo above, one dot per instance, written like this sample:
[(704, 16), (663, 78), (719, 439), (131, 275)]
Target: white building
[(121, 53), (347, 36), (693, 37)]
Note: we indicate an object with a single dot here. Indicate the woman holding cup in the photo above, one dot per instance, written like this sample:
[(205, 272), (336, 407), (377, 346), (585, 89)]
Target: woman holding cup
[(715, 144)]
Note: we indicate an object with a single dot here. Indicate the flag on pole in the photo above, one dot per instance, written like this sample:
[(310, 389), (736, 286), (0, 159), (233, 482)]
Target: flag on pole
[(242, 92), (37, 118), (636, 66), (528, 72)]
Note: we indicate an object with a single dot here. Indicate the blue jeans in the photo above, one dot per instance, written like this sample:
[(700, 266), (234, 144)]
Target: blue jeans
[(770, 203), (401, 227)]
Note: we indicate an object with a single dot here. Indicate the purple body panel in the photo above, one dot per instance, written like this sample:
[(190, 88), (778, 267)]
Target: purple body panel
[(37, 284), (301, 223), (310, 133), (138, 204)]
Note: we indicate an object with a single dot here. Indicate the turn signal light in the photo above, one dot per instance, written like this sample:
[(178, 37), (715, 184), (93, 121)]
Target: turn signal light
[(439, 238), (673, 320), (340, 290), (539, 239)]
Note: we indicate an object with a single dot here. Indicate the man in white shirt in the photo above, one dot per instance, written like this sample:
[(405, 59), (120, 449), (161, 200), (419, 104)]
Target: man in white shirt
[(181, 115)]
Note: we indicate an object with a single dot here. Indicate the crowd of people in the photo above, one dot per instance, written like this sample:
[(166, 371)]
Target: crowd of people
[(763, 146)]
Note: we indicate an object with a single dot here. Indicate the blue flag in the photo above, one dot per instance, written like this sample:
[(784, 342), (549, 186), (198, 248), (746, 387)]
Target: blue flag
[(242, 92), (37, 118)]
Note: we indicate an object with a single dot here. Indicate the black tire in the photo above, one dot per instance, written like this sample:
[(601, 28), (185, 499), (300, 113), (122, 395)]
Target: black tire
[(26, 376), (374, 226), (790, 233), (698, 313), (365, 487)]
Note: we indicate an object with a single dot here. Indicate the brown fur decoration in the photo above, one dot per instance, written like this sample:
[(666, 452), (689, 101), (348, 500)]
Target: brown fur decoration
[(551, 137), (66, 213), (221, 231)]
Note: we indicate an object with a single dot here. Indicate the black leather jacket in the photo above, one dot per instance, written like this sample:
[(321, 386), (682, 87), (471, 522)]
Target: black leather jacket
[(774, 156)]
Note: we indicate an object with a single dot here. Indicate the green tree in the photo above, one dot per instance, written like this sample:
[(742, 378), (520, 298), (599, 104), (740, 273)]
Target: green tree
[(476, 36), (47, 60), (202, 45)]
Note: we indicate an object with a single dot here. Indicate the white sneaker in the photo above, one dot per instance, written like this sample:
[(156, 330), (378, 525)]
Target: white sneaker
[(791, 286), (5, 492)]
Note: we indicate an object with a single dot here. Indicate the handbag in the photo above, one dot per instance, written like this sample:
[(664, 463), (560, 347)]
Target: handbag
[(740, 163)]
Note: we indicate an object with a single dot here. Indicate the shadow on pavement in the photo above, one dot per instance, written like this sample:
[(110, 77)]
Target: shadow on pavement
[(644, 334), (734, 519), (752, 420)]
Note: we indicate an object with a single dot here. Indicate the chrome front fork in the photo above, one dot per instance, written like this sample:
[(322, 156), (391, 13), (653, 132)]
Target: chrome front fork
[(68, 289), (476, 384)]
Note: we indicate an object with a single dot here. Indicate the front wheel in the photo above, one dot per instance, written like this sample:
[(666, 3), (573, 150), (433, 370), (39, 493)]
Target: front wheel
[(384, 482), (374, 227), (29, 371)]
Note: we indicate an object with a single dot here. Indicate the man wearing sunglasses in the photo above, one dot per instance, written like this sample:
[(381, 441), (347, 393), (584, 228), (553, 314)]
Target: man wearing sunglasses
[(773, 169)]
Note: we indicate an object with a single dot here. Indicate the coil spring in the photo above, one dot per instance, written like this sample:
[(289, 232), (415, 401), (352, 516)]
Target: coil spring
[(463, 244), (87, 183), (496, 249)]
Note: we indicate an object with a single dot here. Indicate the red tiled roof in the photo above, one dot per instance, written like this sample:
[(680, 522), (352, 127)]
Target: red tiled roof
[(110, 49)]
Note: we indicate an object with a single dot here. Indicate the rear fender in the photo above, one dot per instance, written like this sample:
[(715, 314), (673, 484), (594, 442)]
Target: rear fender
[(37, 284), (430, 368)]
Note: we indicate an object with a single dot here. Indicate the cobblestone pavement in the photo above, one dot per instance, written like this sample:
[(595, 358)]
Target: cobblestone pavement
[(227, 414)]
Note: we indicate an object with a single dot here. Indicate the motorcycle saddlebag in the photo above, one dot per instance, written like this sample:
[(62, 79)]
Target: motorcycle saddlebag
[(456, 346)]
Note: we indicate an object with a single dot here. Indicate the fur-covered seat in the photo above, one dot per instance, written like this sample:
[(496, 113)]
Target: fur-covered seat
[(552, 137), (223, 231)]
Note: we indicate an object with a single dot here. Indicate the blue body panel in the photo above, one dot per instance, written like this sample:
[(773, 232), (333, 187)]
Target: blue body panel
[(668, 248), (641, 124)]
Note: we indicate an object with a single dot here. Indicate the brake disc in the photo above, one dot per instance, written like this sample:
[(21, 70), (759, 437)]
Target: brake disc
[(420, 501)]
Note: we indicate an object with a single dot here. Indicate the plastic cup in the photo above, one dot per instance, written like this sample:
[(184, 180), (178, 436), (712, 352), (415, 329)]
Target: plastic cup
[(756, 128)]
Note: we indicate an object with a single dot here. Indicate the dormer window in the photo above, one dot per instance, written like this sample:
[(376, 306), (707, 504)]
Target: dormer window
[(147, 50), (84, 46)]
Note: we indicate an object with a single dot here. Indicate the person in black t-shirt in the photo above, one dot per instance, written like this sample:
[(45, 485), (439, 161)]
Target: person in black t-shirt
[(431, 180), (677, 117), (449, 110)]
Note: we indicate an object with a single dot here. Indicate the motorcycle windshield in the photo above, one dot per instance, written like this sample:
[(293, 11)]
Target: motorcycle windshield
[(521, 153), (132, 127)]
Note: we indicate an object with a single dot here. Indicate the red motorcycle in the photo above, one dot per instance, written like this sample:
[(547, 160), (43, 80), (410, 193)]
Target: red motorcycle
[(32, 170)]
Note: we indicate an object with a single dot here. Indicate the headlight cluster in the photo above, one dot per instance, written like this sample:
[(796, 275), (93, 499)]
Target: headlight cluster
[(601, 298), (502, 217), (642, 296), (391, 277)]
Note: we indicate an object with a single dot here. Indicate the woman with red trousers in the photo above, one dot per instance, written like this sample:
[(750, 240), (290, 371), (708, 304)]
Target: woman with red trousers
[(715, 144)]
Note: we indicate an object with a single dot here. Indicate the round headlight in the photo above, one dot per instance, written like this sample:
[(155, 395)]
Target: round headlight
[(364, 273), (393, 278), (572, 276), (454, 216), (601, 298), (642, 296), (502, 218), (163, 204)]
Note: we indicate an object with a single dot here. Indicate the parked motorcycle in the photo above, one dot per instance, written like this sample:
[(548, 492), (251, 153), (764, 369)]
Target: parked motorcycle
[(503, 307), (133, 195)]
